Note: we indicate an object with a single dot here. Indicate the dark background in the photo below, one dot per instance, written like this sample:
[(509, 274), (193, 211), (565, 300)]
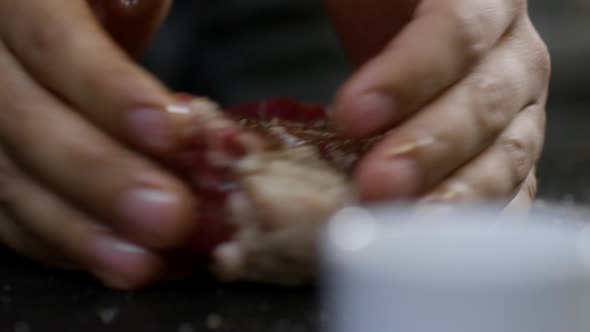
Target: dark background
[(236, 51), (240, 50), (565, 166)]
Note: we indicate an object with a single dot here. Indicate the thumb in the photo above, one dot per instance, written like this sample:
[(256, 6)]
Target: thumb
[(131, 23)]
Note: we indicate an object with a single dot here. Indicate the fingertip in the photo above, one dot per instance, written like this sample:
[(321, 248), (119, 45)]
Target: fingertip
[(160, 130), (363, 115), (161, 217), (123, 265), (151, 128), (185, 219), (381, 180)]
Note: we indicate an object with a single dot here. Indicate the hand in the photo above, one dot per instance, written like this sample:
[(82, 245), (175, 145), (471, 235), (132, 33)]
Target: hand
[(78, 123), (459, 86)]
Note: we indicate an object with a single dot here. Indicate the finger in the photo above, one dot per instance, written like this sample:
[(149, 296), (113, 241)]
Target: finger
[(116, 262), (444, 40), (128, 192), (458, 126), (499, 172), (63, 47), (523, 202), (26, 244), (131, 23)]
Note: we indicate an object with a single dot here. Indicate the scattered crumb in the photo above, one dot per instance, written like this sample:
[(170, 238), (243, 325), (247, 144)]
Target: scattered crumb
[(108, 315), (22, 327), (5, 299), (214, 322), (186, 327), (6, 288)]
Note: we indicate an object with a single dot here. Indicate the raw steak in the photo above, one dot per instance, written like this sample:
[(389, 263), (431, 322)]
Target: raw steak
[(267, 175)]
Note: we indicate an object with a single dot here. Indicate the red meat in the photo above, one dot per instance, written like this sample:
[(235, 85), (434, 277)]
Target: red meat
[(268, 175)]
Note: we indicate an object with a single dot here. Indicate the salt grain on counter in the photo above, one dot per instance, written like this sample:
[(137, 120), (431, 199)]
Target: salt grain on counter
[(108, 315)]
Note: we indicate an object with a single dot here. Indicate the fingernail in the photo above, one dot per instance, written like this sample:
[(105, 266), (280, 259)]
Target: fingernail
[(149, 208), (454, 192), (447, 195), (390, 179), (407, 148), (231, 260), (370, 113), (151, 127), (116, 257), (127, 248)]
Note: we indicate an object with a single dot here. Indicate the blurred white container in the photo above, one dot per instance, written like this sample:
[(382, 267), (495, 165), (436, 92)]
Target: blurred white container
[(387, 269)]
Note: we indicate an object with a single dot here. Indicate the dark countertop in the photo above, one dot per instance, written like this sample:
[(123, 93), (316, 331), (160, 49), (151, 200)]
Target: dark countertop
[(34, 299)]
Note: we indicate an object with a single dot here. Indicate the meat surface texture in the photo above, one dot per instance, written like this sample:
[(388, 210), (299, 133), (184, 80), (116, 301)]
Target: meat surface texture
[(268, 176)]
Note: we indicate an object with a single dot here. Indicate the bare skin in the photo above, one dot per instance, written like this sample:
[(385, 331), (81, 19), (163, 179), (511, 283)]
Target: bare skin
[(459, 85), (81, 121)]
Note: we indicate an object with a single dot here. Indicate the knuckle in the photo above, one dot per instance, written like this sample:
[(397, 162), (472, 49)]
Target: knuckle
[(474, 49), (538, 55), (488, 94), (468, 33), (530, 127), (518, 154), (474, 23)]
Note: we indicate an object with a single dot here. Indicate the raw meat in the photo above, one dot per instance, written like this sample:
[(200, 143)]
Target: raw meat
[(267, 175)]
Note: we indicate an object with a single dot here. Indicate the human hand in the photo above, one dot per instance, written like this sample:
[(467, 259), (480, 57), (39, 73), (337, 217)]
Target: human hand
[(79, 120), (459, 86)]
